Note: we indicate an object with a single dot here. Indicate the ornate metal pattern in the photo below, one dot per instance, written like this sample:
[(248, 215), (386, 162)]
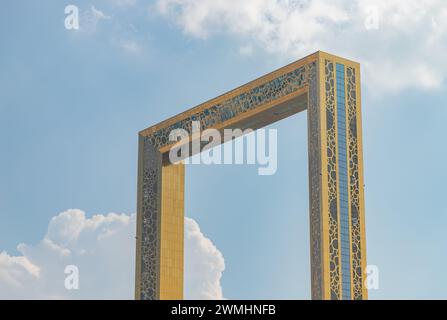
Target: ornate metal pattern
[(354, 186), (331, 152), (315, 185), (269, 91), (150, 246)]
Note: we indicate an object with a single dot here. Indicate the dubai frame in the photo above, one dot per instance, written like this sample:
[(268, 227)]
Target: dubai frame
[(329, 88)]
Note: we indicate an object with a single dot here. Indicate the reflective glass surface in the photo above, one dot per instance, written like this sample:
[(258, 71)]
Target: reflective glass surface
[(343, 182)]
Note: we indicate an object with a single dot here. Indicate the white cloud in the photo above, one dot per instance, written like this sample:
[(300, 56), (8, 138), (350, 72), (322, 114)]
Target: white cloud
[(98, 14), (12, 269), (204, 265), (406, 51), (90, 18), (103, 248), (123, 35)]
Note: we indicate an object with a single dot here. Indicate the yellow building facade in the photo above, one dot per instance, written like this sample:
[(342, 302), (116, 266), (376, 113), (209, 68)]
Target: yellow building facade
[(328, 87)]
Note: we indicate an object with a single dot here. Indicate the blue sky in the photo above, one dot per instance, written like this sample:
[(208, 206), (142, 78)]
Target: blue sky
[(72, 102)]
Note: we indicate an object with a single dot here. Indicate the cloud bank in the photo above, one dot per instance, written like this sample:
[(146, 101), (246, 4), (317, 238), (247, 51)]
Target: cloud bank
[(401, 44), (204, 265), (103, 249)]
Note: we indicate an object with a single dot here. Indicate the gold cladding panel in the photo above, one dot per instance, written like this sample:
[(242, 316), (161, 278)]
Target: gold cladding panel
[(172, 230)]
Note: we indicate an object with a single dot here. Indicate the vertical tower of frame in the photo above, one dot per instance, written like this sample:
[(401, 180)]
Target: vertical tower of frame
[(160, 226), (343, 236)]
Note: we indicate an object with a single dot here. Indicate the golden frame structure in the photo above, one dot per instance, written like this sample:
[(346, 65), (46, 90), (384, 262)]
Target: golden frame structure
[(327, 86)]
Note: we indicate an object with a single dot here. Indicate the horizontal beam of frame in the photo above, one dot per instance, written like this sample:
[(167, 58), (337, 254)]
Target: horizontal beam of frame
[(233, 93)]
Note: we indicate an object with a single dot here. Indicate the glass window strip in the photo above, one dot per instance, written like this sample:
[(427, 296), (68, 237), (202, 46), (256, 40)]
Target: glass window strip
[(343, 182)]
